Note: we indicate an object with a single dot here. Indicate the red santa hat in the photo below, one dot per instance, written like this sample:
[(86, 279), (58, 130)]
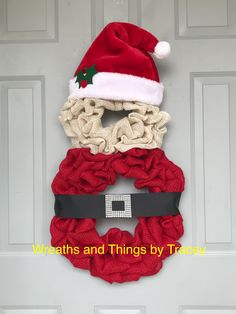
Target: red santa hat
[(118, 66)]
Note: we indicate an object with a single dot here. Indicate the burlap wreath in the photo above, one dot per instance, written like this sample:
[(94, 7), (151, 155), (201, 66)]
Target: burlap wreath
[(144, 127), (84, 173)]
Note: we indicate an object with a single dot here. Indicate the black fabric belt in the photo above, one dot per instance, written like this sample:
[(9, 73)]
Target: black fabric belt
[(117, 205)]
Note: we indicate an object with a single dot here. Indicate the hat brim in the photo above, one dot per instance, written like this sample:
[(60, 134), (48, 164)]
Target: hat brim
[(118, 86)]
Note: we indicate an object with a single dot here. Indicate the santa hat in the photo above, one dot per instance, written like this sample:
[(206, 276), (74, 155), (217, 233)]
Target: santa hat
[(118, 66)]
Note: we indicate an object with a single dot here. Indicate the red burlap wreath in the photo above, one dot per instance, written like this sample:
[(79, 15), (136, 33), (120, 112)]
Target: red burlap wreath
[(83, 173)]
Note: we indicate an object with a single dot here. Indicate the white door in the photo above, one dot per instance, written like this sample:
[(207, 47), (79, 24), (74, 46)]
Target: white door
[(41, 43)]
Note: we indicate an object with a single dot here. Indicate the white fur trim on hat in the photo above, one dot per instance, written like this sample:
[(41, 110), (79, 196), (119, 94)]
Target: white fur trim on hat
[(162, 50), (116, 86)]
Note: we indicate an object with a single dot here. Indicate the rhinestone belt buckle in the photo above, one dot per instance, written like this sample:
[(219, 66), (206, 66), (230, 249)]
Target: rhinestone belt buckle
[(118, 206)]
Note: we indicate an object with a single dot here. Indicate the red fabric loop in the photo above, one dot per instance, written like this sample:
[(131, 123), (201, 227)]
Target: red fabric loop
[(83, 173)]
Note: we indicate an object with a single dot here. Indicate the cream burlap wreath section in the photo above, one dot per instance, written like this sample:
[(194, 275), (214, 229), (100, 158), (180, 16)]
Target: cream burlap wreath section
[(143, 127)]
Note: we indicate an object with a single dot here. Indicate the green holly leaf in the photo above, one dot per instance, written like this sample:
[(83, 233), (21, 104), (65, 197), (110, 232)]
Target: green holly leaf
[(86, 76)]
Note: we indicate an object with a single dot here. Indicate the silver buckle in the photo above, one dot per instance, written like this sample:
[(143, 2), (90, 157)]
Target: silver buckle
[(126, 213)]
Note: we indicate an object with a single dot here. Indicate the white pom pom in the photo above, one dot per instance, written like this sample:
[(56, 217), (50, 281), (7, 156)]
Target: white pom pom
[(162, 50)]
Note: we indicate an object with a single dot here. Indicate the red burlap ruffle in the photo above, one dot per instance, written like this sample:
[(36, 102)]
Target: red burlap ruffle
[(83, 173)]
